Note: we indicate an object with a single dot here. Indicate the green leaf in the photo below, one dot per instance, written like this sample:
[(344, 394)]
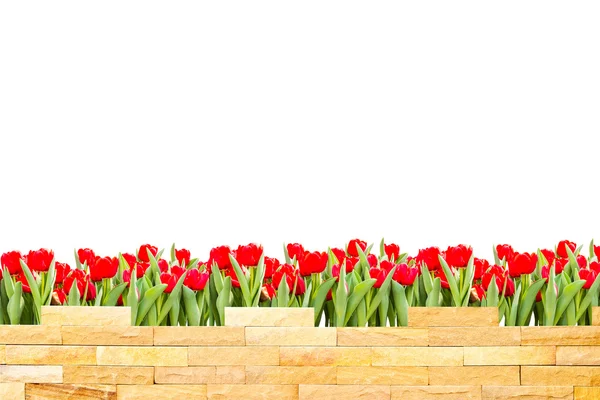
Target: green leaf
[(73, 298), (433, 297), (243, 281), (217, 278), (173, 255), (400, 303), (528, 302), (148, 300), (358, 294), (287, 256), (49, 284), (321, 295), (492, 294), (8, 282), (132, 300), (465, 290), (566, 297), (258, 281), (451, 282), (550, 300), (341, 298), (382, 249), (587, 300), (14, 304), (173, 299), (77, 261), (223, 299), (427, 281), (383, 291), (511, 320), (113, 296), (496, 259), (283, 293)]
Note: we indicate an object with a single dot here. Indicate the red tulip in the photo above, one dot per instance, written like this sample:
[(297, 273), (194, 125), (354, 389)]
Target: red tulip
[(86, 256), (350, 263), (561, 249), (595, 266), (104, 267), (559, 264), (21, 278), (312, 263), (372, 260), (581, 261), (271, 265), (130, 259), (339, 254), (291, 277), (385, 265), (11, 260), (352, 250), (439, 273), (220, 255), (458, 256), (480, 266), (522, 263), (163, 265), (549, 254), (170, 280), (60, 296), (195, 279), (295, 250), (505, 252), (429, 256), (499, 274), (83, 281), (405, 275), (248, 255), (268, 292), (392, 251), (143, 252), (597, 252), (379, 274), (182, 256), (40, 260), (589, 276), (62, 270), (479, 292)]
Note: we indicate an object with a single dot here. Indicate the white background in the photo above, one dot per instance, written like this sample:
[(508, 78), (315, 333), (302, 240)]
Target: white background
[(226, 122)]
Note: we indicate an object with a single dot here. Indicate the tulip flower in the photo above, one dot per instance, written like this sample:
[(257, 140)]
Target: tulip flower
[(11, 261), (392, 251), (295, 250), (312, 263), (103, 267), (220, 256), (40, 260), (522, 263), (405, 275), (458, 256), (196, 280), (505, 252), (182, 256), (429, 256), (561, 249), (86, 256), (352, 250), (143, 252), (248, 255)]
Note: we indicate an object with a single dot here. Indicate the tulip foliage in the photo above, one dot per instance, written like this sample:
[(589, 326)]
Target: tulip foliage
[(350, 286)]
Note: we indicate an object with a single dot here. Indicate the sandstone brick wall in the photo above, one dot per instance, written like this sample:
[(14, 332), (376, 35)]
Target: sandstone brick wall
[(272, 354)]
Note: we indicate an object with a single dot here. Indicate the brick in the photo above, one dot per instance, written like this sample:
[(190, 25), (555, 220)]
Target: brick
[(108, 335), (478, 375), (527, 392), (586, 393), (263, 316), (290, 336), (51, 355), (475, 336), (2, 354), (145, 392), (452, 316), (560, 335), (290, 375), (185, 375), (560, 376), (31, 373), (251, 392), (436, 392), (386, 337), (417, 356), (142, 356), (510, 355), (12, 390), (199, 336), (96, 316), (108, 375), (578, 355), (30, 334), (325, 356), (596, 316), (346, 392), (234, 355), (382, 376), (48, 391), (231, 374)]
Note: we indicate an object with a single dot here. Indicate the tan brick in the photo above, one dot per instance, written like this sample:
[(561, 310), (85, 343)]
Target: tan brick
[(31, 373), (30, 334), (578, 355), (325, 356), (560, 335), (199, 336), (560, 376), (417, 356), (290, 375), (475, 336), (185, 375), (436, 392), (263, 316), (372, 337), (2, 354), (586, 393), (108, 375), (290, 336), (346, 392), (452, 316), (511, 355), (48, 391), (145, 392), (596, 316), (51, 355), (108, 335), (12, 391), (234, 355), (251, 392), (527, 392), (231, 374), (382, 376), (142, 356), (96, 316), (478, 375)]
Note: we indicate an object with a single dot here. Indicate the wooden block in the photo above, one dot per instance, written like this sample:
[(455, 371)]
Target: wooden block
[(264, 316), (290, 336), (560, 376), (108, 335), (12, 391), (586, 393), (578, 355), (185, 375), (453, 316), (198, 336), (30, 334), (234, 355), (47, 391), (436, 392), (346, 392), (596, 316), (108, 375), (475, 336), (417, 356), (511, 355), (231, 374), (31, 373), (2, 354), (560, 335), (386, 337), (527, 392), (145, 392), (325, 356), (478, 375), (51, 355), (382, 376), (251, 392), (290, 375), (96, 316), (142, 356)]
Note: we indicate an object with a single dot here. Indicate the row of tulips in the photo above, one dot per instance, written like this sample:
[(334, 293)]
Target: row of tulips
[(347, 287)]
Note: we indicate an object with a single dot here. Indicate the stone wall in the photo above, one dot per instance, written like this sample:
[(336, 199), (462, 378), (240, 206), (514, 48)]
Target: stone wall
[(277, 354)]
